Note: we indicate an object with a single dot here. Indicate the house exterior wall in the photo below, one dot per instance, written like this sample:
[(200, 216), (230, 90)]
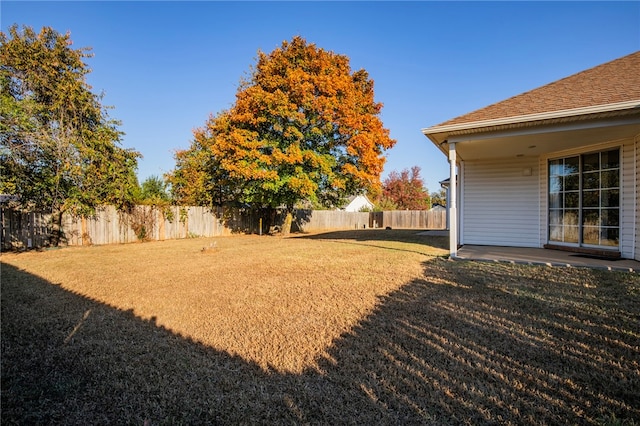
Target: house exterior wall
[(628, 200), (543, 188), (502, 206), (500, 202), (637, 202), (629, 181)]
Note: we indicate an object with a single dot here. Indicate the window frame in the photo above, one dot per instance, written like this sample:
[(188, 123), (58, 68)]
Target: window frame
[(557, 209)]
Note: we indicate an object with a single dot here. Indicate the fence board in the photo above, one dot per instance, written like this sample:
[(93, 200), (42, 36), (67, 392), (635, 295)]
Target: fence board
[(413, 219), (318, 220)]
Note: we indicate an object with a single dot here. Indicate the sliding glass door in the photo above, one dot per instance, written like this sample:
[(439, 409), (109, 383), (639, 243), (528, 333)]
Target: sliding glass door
[(584, 199)]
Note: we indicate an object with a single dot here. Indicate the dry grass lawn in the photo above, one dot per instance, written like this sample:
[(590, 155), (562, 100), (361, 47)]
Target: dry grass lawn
[(346, 327)]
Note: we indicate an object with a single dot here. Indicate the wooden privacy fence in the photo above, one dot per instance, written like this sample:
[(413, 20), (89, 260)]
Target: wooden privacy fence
[(411, 219), (22, 230), (319, 220), (142, 223), (110, 226)]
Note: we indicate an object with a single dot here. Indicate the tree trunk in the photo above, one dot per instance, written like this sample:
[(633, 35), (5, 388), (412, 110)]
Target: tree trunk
[(56, 228), (270, 218), (288, 220)]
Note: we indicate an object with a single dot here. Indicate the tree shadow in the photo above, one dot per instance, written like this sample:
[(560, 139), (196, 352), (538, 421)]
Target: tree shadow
[(378, 235), (461, 346), (396, 239), (264, 221), (301, 218), (23, 230), (477, 343)]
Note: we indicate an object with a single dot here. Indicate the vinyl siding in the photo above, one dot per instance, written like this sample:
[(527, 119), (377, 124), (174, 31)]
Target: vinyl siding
[(500, 205), (636, 207), (628, 199), (543, 189)]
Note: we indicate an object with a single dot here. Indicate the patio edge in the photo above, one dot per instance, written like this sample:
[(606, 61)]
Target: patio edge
[(549, 264)]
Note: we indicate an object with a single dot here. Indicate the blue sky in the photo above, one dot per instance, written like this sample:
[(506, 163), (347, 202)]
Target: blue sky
[(165, 66)]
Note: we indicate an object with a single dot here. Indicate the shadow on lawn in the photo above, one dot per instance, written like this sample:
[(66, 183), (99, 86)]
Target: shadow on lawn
[(399, 235), (463, 346), (391, 239)]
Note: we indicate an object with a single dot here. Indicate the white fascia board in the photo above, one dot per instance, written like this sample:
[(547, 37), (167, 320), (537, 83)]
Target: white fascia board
[(531, 117), (540, 129)]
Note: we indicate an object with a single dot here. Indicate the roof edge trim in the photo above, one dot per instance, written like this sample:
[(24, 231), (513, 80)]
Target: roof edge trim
[(533, 117)]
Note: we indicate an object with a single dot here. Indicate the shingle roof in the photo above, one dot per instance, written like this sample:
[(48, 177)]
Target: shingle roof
[(609, 83)]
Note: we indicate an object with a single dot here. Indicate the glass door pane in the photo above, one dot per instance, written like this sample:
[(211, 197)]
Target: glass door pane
[(601, 198), (564, 200), (584, 199)]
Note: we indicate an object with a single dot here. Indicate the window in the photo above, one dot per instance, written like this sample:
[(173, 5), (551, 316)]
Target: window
[(584, 199)]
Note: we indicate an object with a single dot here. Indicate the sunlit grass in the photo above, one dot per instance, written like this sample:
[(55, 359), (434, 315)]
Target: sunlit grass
[(277, 302)]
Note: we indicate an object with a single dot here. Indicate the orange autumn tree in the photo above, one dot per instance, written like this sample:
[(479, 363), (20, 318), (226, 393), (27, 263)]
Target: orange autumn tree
[(303, 127), (406, 190)]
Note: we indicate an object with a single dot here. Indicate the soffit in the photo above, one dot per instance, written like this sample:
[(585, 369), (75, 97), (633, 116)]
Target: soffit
[(540, 137)]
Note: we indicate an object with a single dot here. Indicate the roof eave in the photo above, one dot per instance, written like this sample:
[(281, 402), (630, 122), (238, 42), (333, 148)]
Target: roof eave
[(439, 134), (620, 106)]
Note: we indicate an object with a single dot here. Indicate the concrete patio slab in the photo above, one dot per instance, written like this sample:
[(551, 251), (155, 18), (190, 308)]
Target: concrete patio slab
[(538, 256)]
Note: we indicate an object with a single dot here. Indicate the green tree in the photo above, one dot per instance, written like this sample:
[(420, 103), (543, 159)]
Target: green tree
[(406, 190), (154, 191), (59, 149), (385, 204), (439, 197), (198, 179), (303, 127)]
